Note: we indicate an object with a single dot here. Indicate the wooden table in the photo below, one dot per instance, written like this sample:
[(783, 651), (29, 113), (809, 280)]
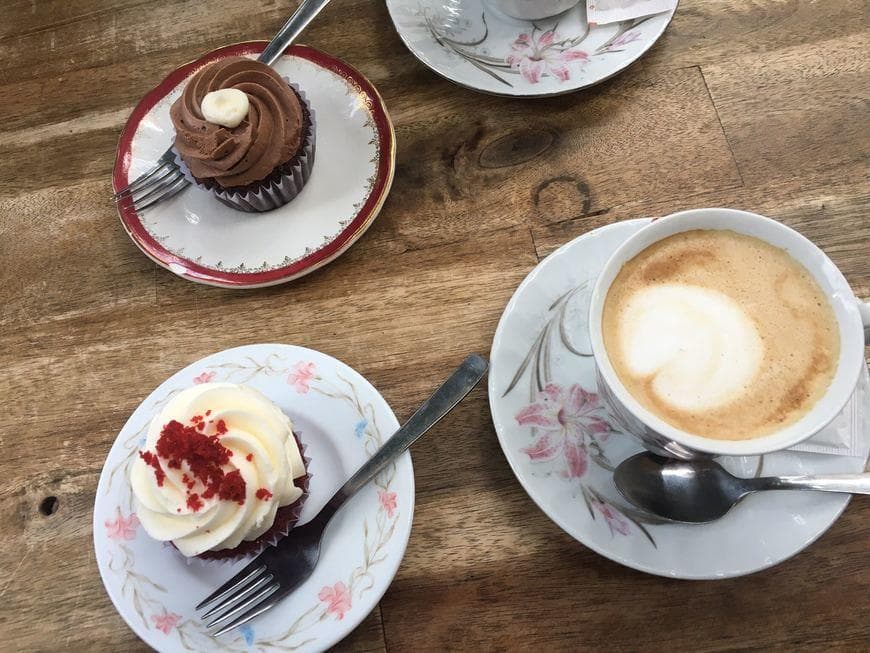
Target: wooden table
[(754, 105)]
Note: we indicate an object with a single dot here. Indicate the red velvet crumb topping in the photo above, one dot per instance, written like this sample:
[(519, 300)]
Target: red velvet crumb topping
[(151, 460), (233, 487), (194, 502), (263, 494), (205, 456)]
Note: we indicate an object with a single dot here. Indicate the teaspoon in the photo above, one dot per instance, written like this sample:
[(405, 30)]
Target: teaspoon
[(701, 491)]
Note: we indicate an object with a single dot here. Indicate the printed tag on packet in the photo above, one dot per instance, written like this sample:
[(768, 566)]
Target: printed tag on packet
[(848, 434), (601, 12)]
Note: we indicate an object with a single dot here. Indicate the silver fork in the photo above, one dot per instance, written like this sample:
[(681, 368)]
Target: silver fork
[(280, 569), (165, 179)]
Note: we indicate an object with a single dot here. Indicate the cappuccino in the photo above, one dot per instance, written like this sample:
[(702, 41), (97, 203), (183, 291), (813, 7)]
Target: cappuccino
[(720, 334)]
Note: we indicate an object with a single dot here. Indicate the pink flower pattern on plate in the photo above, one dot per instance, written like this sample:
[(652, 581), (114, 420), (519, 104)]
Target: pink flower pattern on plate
[(534, 56), (205, 377), (166, 621), (625, 39), (301, 376), (569, 420), (122, 528), (337, 599), (388, 501), (616, 521)]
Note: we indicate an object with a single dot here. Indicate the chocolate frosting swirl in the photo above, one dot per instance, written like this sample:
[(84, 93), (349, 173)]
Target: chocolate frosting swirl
[(269, 135)]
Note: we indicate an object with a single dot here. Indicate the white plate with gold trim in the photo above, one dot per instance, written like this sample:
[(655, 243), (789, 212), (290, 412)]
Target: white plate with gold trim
[(196, 237), (341, 420)]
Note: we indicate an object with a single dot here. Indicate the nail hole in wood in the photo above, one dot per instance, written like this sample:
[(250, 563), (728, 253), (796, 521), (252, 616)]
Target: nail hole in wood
[(49, 505)]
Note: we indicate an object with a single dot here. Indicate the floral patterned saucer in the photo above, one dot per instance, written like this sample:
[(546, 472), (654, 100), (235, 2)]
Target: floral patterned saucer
[(198, 238), (476, 46), (563, 445), (342, 421)]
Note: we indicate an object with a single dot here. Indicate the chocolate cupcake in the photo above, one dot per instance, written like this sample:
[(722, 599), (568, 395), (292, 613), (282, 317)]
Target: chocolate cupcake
[(221, 474), (244, 133)]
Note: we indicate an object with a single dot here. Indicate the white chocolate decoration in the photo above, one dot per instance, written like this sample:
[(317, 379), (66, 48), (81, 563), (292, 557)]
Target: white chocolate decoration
[(226, 107)]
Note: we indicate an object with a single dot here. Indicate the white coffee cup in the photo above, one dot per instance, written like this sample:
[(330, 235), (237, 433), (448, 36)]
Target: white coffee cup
[(853, 319), (532, 9)]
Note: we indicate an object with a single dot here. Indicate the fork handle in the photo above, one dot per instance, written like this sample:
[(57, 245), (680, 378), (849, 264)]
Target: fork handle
[(304, 14), (442, 401)]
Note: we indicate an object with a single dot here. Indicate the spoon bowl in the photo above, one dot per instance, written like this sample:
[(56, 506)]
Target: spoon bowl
[(701, 491)]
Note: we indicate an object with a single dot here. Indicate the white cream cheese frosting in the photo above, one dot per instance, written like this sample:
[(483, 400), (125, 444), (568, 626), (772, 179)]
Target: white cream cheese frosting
[(217, 463)]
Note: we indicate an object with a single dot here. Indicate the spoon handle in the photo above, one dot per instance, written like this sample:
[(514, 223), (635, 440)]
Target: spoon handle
[(851, 483), (442, 401)]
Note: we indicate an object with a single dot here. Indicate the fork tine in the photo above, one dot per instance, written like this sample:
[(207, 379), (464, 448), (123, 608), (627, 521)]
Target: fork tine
[(167, 190), (167, 158), (247, 573), (143, 181), (137, 182), (244, 591), (256, 611), (251, 602), (156, 188), (171, 191)]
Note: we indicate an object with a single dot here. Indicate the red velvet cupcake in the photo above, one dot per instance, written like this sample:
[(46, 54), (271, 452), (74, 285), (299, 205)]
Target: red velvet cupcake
[(221, 473)]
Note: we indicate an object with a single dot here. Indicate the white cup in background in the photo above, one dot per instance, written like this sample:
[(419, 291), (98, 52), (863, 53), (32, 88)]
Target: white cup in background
[(532, 9)]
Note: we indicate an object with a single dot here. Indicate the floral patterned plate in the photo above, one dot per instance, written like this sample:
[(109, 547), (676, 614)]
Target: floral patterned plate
[(563, 445), (474, 45), (198, 238), (342, 421)]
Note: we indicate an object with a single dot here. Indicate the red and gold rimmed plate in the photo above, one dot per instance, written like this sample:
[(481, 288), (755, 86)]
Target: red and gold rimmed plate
[(198, 238)]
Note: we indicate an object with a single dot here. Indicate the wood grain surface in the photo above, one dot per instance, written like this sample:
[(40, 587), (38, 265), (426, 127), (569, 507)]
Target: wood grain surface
[(754, 105)]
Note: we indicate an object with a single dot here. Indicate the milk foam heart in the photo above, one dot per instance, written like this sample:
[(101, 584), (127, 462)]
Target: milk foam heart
[(720, 334), (697, 346), (225, 106)]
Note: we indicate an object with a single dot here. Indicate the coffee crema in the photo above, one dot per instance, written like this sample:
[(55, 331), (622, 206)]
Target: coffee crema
[(720, 334)]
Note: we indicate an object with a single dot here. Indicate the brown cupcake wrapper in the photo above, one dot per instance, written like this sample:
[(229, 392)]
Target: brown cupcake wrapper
[(285, 519), (274, 191)]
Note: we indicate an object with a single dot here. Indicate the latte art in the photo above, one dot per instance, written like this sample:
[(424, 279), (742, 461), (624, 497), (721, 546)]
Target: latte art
[(720, 334), (696, 346)]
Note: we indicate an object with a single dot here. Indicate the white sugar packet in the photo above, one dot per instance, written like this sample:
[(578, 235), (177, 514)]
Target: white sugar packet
[(601, 12), (848, 434)]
